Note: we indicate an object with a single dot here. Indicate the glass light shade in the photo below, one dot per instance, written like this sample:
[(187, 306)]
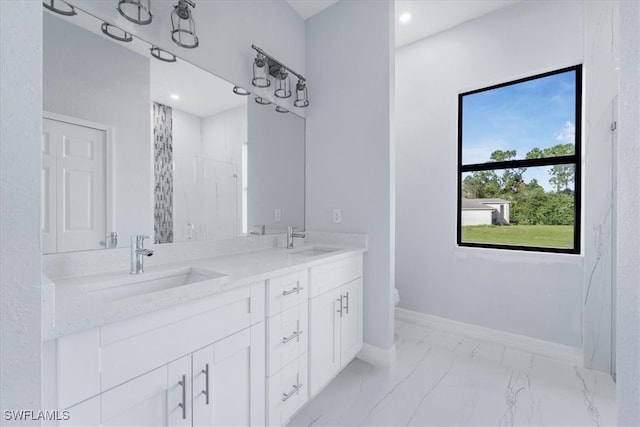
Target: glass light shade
[(283, 84), (183, 27), (261, 71), (116, 33), (162, 55), (240, 91), (136, 11), (302, 99), (279, 109)]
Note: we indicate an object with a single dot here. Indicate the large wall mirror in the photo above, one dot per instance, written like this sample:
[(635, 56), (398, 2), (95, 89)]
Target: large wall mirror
[(137, 145)]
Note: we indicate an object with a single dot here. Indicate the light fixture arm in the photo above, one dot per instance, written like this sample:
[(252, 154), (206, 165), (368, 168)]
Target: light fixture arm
[(274, 64)]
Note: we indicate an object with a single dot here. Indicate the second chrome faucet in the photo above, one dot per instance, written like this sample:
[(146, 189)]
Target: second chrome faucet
[(291, 235), (138, 252)]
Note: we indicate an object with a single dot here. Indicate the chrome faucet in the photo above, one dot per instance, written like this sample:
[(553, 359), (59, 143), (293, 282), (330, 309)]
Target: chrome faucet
[(138, 252), (291, 235)]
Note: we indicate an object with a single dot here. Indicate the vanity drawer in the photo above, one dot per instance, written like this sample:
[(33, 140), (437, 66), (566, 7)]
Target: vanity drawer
[(286, 291), (287, 392), (288, 337), (325, 277)]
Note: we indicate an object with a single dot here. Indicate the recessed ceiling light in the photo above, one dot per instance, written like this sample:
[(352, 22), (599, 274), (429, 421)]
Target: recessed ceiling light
[(175, 96), (404, 18)]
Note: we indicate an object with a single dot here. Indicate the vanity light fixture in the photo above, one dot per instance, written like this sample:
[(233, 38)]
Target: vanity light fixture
[(183, 27), (162, 55), (279, 109), (240, 91), (116, 33), (136, 11), (265, 65), (260, 100), (66, 9)]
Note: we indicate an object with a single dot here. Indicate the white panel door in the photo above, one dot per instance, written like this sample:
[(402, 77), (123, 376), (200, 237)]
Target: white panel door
[(48, 191), (351, 324), (139, 402), (80, 185), (324, 340)]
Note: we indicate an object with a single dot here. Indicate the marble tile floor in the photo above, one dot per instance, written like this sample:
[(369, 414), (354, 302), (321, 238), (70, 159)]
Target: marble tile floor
[(441, 379)]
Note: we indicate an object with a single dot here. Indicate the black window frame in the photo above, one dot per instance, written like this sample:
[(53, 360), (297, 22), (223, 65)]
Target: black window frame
[(575, 159)]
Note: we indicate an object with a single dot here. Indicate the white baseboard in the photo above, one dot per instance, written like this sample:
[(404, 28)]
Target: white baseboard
[(520, 342), (377, 356)]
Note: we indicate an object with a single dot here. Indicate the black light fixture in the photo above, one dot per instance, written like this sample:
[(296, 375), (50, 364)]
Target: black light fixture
[(183, 27), (265, 65), (260, 100), (136, 11), (62, 8)]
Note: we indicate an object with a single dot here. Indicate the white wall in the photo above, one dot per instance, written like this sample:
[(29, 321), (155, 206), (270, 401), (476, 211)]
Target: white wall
[(276, 168), (226, 30), (208, 166), (103, 82), (20, 140), (539, 295), (187, 144), (349, 142), (475, 217), (627, 214)]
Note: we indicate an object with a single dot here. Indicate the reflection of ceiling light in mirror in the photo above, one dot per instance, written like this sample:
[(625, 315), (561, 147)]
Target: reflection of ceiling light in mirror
[(175, 96), (405, 18)]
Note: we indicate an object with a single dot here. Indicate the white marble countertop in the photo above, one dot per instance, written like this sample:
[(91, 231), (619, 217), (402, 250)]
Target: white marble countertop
[(75, 309)]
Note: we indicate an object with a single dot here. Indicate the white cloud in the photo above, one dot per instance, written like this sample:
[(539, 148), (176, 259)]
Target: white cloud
[(567, 134)]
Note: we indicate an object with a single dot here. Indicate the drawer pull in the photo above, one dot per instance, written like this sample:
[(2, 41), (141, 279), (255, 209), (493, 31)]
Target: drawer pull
[(183, 404), (295, 290), (286, 396), (340, 305), (294, 335), (346, 307), (205, 371)]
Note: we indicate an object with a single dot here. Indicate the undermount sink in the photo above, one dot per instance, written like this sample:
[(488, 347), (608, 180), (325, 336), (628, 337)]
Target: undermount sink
[(315, 251), (150, 282)]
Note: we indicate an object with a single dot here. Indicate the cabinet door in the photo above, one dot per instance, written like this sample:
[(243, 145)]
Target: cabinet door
[(351, 322), (227, 365), (324, 340), (139, 402)]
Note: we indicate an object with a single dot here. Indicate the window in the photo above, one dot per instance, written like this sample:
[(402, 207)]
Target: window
[(519, 164)]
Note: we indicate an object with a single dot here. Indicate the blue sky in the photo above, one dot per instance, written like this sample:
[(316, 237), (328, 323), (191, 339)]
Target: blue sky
[(536, 113)]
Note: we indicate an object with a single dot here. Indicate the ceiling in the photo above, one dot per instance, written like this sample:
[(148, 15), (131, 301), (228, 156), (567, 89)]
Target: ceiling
[(428, 16), (308, 8), (432, 16)]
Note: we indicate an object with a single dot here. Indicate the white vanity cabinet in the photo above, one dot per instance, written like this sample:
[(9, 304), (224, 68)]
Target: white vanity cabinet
[(335, 319), (287, 344), (196, 364)]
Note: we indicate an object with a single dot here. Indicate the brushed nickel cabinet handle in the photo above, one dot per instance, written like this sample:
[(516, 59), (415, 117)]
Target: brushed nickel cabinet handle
[(183, 404), (340, 307), (294, 335), (346, 307), (295, 290), (286, 396), (205, 371)]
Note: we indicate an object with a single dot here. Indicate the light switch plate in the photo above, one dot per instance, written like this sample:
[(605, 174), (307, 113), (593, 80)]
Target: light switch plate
[(337, 215), (277, 215)]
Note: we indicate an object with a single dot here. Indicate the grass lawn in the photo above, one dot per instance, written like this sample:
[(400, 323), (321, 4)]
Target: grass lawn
[(553, 236)]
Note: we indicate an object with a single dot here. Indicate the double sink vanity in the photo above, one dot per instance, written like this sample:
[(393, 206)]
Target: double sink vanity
[(238, 339)]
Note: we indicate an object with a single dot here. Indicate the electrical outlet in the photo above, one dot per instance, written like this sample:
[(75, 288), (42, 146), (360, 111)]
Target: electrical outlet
[(277, 215), (337, 216)]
